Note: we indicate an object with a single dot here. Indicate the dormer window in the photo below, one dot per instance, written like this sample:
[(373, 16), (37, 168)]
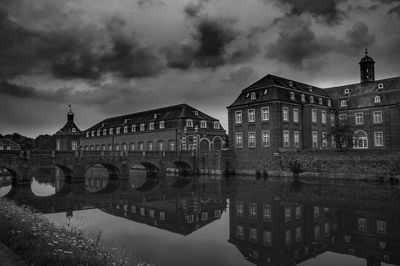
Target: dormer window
[(343, 103), (291, 95), (216, 125), (346, 91), (320, 101), (380, 86), (265, 91), (196, 112), (125, 129), (151, 126), (155, 116), (125, 120), (98, 132), (377, 99), (203, 124), (111, 131), (253, 96), (310, 89), (189, 123), (104, 132), (311, 99), (133, 128), (162, 124), (118, 130), (73, 130), (329, 103), (142, 127), (291, 83), (87, 134), (303, 98), (93, 133)]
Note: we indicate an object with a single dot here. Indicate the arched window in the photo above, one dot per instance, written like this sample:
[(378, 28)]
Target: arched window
[(160, 145), (171, 145), (360, 140), (204, 144), (217, 143), (124, 147), (149, 145)]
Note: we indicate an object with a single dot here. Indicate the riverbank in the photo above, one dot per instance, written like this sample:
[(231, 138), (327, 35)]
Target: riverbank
[(39, 242), (9, 258)]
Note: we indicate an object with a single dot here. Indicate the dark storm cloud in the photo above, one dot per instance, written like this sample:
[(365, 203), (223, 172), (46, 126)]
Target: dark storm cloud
[(297, 44), (395, 10), (193, 9), (325, 9)]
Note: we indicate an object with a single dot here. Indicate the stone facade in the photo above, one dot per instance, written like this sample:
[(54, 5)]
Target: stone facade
[(67, 138), (178, 127), (276, 114)]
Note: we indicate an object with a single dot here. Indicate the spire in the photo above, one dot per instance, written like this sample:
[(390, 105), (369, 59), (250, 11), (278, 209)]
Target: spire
[(70, 115), (367, 70)]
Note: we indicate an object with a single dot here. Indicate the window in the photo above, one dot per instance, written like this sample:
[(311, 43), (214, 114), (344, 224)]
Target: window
[(73, 130), (151, 213), (298, 234), (253, 235), (291, 83), (253, 209), (310, 89), (132, 146), (291, 95), (189, 219), (93, 133), (216, 125), (203, 124), (98, 132), (189, 123), (326, 227), (362, 224), (296, 139), (288, 213), (217, 213), (125, 129), (288, 237), (343, 119), (359, 118), (377, 117), (343, 103), (104, 132), (239, 140), (286, 140), (329, 103), (204, 216), (378, 139), (346, 91), (151, 126), (74, 145), (324, 140), (118, 131), (347, 238), (110, 147), (303, 98), (314, 115), (124, 147), (323, 117), (311, 99), (266, 212), (196, 113), (142, 127), (142, 211), (332, 120), (133, 128), (320, 101), (382, 244), (162, 124), (251, 115), (381, 227), (252, 139), (238, 117), (265, 138), (285, 112), (267, 239), (239, 232), (162, 216), (265, 113), (377, 99), (315, 139), (316, 232), (316, 212), (87, 134), (298, 212), (239, 208), (296, 115), (380, 86), (253, 96)]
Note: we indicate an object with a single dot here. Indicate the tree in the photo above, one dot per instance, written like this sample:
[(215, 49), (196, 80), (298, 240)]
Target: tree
[(343, 135)]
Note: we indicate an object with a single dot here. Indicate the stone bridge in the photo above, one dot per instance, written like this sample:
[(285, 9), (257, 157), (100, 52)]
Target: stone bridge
[(74, 164)]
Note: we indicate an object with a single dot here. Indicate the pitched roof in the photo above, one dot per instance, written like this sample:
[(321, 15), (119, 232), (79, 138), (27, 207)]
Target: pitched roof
[(179, 111)]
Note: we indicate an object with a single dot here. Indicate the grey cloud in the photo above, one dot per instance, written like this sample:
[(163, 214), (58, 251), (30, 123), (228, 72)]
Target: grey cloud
[(395, 11), (241, 76)]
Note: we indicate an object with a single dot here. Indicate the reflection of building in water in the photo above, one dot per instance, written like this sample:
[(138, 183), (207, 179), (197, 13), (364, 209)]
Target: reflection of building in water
[(5, 179), (96, 178), (7, 144), (176, 212), (270, 230)]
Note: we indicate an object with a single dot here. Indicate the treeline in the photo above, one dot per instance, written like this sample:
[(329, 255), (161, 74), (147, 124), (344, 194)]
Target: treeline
[(41, 142)]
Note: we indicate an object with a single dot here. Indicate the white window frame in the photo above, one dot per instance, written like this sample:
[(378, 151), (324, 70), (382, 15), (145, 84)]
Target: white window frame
[(296, 139), (323, 117), (104, 132), (292, 95), (298, 212), (359, 118), (324, 140), (303, 98), (314, 116), (285, 113), (118, 130), (343, 119), (216, 125), (362, 224), (315, 139), (267, 212), (239, 140), (378, 139), (253, 96), (343, 103), (142, 127), (288, 213), (381, 226), (253, 209), (151, 126), (111, 131), (203, 124), (377, 99), (286, 138), (266, 138), (320, 101), (189, 123), (162, 124), (295, 115), (251, 115), (239, 208), (239, 232), (265, 113), (252, 139), (377, 117), (311, 99), (253, 235), (125, 129), (133, 129), (332, 120), (238, 117)]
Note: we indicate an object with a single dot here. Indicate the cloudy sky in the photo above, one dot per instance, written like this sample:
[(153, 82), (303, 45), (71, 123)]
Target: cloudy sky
[(112, 57)]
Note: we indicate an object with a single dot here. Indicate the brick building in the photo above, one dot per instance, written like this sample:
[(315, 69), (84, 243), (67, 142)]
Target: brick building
[(67, 138), (276, 114), (170, 128)]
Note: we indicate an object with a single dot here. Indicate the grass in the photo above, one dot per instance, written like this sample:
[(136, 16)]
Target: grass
[(40, 242)]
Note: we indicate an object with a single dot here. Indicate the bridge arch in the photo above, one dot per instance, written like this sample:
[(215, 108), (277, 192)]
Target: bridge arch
[(145, 176), (184, 169)]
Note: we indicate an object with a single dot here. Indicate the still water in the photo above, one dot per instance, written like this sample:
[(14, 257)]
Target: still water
[(217, 221)]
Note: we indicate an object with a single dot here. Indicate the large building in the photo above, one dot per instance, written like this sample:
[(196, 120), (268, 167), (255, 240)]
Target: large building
[(67, 138), (276, 114), (178, 127)]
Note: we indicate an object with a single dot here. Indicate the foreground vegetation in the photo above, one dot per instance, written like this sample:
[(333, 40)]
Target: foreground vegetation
[(38, 241)]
